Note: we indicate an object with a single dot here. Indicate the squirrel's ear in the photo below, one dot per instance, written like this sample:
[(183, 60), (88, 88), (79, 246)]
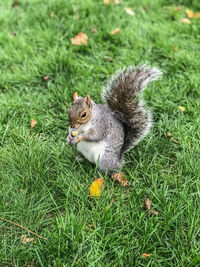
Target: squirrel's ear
[(88, 101), (75, 96)]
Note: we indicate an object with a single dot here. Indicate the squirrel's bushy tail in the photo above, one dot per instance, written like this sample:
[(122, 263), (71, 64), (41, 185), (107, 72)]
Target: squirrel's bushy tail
[(122, 95)]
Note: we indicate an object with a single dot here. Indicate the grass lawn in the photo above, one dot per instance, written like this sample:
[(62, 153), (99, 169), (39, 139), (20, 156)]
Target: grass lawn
[(42, 185)]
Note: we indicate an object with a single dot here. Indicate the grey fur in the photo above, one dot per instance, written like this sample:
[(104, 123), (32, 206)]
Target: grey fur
[(123, 121), (122, 95), (112, 133)]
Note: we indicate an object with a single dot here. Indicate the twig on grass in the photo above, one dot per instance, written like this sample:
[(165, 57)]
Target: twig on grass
[(22, 228), (171, 138)]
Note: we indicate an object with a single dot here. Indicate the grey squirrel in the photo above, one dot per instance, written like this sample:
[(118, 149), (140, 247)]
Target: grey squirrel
[(104, 133)]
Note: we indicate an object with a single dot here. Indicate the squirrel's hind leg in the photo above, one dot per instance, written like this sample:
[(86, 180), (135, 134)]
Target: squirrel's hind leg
[(110, 163)]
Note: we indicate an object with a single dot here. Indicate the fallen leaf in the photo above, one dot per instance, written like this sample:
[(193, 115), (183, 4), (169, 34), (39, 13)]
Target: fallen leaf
[(91, 226), (115, 31), (185, 20), (13, 33), (153, 212), (119, 177), (79, 39), (189, 13), (16, 4), (46, 78), (25, 239), (108, 59), (147, 204), (196, 15), (96, 188), (33, 123), (52, 14), (175, 48), (192, 15), (129, 11), (181, 108), (145, 255), (112, 2), (92, 30)]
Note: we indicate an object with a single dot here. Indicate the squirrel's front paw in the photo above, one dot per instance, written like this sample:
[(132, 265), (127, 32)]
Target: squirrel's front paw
[(74, 141), (69, 139)]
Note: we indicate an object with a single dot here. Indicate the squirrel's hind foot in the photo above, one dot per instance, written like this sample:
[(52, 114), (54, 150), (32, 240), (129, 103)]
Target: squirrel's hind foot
[(120, 178)]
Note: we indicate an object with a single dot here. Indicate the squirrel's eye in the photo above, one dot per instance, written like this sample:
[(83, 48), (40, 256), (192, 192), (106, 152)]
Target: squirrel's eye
[(83, 115)]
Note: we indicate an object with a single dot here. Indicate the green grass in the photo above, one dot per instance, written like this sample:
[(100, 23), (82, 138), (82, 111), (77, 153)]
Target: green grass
[(42, 185)]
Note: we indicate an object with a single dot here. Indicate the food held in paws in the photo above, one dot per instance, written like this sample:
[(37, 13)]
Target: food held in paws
[(74, 133)]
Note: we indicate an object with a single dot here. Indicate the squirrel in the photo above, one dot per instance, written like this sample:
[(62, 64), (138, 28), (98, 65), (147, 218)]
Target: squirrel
[(104, 133)]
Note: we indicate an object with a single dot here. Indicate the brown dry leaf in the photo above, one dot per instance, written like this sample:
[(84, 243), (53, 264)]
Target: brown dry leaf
[(92, 30), (33, 123), (25, 239), (129, 11), (145, 255), (13, 34), (192, 15), (181, 108), (16, 4), (46, 78), (52, 14), (96, 188), (153, 212), (196, 15), (91, 226), (185, 20), (147, 204), (108, 59), (79, 39), (115, 31), (119, 177)]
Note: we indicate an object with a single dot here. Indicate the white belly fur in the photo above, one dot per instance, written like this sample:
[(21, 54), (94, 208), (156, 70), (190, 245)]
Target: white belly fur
[(92, 151)]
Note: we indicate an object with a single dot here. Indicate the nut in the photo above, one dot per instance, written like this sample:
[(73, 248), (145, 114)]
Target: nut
[(74, 133)]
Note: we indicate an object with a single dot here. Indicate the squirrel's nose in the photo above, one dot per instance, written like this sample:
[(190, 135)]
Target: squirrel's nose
[(74, 125)]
